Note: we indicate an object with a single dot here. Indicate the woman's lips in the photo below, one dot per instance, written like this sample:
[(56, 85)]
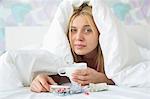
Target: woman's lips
[(79, 46)]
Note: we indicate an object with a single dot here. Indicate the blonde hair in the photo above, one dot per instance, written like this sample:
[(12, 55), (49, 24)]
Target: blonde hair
[(86, 11)]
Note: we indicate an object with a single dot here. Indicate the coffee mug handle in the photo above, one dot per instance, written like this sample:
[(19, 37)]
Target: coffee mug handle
[(61, 72)]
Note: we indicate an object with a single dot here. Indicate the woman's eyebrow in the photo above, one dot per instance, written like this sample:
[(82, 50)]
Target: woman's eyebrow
[(73, 27), (83, 26), (87, 26)]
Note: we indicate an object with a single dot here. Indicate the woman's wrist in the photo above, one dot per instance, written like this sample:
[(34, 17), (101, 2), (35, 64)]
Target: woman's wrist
[(108, 81)]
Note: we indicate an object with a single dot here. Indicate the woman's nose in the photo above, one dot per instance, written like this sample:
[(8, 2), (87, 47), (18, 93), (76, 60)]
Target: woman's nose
[(79, 36)]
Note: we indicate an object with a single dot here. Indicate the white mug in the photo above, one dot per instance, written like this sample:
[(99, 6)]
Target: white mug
[(67, 71)]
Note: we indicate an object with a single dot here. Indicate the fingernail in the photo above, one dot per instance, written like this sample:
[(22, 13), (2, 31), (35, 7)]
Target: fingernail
[(73, 74), (55, 84), (74, 77)]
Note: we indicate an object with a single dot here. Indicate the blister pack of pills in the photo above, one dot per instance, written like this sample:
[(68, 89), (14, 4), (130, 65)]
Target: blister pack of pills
[(76, 89), (66, 90)]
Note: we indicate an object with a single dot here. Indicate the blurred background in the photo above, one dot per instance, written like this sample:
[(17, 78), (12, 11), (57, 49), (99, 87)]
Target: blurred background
[(25, 22)]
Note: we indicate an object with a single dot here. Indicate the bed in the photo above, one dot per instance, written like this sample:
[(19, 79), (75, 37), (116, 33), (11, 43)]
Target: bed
[(114, 92)]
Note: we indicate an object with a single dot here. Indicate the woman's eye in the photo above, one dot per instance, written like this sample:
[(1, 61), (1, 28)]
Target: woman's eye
[(73, 30), (88, 30)]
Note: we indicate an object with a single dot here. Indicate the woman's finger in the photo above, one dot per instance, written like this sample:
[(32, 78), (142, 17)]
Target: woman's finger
[(44, 84), (40, 87), (80, 77), (37, 87), (33, 88), (82, 82), (81, 72), (51, 81)]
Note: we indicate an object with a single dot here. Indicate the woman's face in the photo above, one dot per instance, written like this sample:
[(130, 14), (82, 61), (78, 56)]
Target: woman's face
[(83, 36)]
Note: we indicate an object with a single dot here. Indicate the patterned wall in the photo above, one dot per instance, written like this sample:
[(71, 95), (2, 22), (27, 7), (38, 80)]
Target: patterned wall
[(25, 13), (131, 11), (41, 12)]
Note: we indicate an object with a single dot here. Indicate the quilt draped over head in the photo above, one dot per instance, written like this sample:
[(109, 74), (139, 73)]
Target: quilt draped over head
[(122, 56)]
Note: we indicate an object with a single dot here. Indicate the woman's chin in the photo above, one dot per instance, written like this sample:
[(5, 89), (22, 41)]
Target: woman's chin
[(80, 52)]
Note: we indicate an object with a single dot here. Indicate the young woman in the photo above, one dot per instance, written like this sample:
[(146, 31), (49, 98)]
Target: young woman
[(83, 37)]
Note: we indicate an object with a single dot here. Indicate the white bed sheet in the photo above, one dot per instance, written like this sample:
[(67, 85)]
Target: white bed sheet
[(114, 92)]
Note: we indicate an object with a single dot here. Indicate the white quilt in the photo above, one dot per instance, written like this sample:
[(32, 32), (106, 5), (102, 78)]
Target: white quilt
[(126, 52), (18, 67)]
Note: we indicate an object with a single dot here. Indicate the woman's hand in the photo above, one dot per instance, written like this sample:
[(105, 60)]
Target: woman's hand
[(41, 83), (89, 75)]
